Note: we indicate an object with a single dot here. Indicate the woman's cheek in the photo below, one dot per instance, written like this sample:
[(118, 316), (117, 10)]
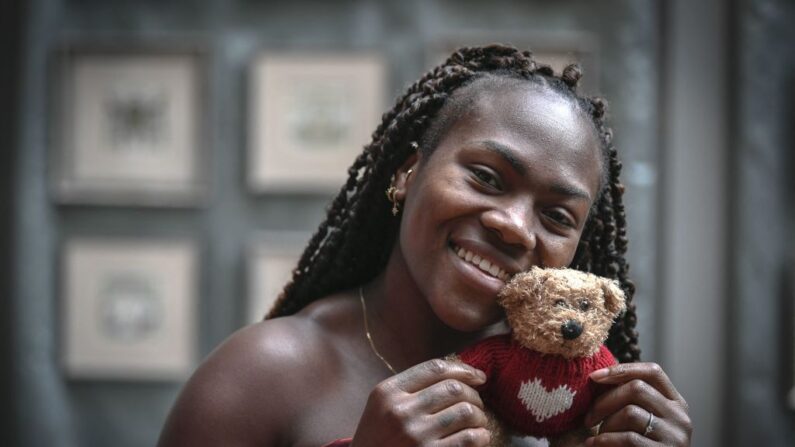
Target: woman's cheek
[(559, 251)]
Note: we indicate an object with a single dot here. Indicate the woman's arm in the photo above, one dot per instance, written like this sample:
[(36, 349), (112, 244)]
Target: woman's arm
[(232, 399)]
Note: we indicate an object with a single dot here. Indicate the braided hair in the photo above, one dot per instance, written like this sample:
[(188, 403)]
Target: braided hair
[(353, 244)]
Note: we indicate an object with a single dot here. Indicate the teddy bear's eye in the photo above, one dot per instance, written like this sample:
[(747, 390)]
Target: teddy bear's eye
[(560, 303), (585, 305)]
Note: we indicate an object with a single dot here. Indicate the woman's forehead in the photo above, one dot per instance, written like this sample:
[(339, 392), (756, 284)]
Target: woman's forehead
[(543, 129), (528, 106), (531, 116)]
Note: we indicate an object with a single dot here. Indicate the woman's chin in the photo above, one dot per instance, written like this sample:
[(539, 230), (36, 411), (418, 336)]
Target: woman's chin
[(469, 320)]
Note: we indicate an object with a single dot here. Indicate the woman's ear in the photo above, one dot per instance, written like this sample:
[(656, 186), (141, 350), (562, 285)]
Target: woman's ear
[(405, 175)]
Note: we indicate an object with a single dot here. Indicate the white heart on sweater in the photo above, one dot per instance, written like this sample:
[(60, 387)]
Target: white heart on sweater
[(545, 404)]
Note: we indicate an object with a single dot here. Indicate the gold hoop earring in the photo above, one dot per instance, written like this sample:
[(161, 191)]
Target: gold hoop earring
[(390, 194), (414, 145)]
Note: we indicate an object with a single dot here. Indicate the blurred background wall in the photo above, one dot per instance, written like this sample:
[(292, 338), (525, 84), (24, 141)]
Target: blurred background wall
[(701, 98)]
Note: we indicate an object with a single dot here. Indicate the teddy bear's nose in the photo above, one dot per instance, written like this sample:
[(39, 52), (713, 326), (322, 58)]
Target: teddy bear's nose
[(571, 329)]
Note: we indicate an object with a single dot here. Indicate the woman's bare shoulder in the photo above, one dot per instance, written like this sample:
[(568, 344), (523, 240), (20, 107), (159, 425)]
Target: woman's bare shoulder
[(248, 389)]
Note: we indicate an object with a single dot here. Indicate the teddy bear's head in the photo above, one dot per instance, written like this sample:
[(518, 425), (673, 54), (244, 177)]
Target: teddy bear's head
[(561, 311)]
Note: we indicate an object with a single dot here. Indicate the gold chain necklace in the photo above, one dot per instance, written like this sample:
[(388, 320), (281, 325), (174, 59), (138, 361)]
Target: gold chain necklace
[(369, 337)]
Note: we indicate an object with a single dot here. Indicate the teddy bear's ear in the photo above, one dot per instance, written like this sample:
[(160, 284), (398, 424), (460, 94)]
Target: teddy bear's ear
[(538, 276), (614, 297)]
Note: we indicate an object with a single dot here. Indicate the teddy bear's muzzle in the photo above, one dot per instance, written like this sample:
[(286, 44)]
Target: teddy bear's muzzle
[(571, 329)]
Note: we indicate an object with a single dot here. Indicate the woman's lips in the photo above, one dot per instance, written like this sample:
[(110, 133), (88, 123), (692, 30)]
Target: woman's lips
[(481, 262), (475, 276)]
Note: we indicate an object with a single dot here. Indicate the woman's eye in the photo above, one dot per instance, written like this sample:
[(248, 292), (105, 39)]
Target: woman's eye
[(486, 177), (560, 218)]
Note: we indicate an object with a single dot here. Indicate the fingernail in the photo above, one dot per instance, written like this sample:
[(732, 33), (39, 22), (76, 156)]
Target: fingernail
[(600, 374), (481, 375)]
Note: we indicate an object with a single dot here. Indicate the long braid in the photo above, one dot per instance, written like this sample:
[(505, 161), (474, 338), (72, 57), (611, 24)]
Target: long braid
[(353, 243), (603, 244)]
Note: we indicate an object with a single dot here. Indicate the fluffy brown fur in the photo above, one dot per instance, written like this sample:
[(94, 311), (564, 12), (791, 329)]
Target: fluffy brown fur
[(539, 302)]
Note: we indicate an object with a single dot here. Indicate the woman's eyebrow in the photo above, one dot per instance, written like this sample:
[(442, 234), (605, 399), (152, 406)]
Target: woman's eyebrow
[(571, 191), (507, 153)]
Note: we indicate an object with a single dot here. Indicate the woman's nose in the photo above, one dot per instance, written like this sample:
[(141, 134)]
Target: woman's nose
[(512, 224)]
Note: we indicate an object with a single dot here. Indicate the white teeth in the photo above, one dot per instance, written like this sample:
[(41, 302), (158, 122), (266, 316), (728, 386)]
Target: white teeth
[(481, 263)]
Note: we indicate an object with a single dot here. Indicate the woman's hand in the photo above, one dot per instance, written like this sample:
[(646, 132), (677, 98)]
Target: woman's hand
[(644, 409), (432, 403)]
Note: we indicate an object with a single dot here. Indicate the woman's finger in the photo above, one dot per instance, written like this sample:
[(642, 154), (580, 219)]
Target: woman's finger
[(622, 439), (444, 394), (460, 416), (635, 392), (475, 437), (651, 373), (433, 371), (629, 418), (638, 420)]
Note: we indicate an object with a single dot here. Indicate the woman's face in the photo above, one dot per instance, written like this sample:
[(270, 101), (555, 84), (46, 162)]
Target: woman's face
[(509, 186)]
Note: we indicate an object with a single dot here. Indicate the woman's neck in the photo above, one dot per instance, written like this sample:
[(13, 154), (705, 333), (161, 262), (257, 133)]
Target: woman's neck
[(403, 325)]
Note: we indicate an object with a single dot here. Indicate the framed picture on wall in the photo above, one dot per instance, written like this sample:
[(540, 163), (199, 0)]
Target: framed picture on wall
[(128, 309), (128, 128), (310, 116), (272, 259), (556, 49)]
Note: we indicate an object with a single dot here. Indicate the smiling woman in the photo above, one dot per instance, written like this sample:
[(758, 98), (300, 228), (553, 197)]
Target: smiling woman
[(493, 186), (494, 165)]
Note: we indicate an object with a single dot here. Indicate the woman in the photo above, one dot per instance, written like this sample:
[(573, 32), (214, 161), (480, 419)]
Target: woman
[(491, 164)]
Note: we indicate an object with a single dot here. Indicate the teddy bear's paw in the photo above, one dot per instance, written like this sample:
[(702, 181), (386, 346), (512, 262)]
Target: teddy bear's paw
[(500, 435)]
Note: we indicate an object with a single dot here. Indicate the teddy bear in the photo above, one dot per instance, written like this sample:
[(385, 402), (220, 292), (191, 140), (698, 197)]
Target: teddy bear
[(537, 375)]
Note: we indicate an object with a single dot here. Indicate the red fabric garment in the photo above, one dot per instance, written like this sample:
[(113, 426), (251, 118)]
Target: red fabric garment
[(344, 442), (535, 394)]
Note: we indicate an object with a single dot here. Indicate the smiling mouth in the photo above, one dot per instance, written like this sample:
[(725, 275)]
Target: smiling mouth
[(483, 264)]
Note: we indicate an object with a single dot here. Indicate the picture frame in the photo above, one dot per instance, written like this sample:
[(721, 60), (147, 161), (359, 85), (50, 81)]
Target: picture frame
[(310, 117), (128, 308), (554, 48), (128, 126), (271, 260)]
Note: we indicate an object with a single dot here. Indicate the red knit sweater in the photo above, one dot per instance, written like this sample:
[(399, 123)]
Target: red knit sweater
[(535, 394)]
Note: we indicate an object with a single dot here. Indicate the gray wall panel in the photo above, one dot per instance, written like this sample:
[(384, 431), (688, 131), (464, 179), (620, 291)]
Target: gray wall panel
[(763, 238), (695, 228)]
